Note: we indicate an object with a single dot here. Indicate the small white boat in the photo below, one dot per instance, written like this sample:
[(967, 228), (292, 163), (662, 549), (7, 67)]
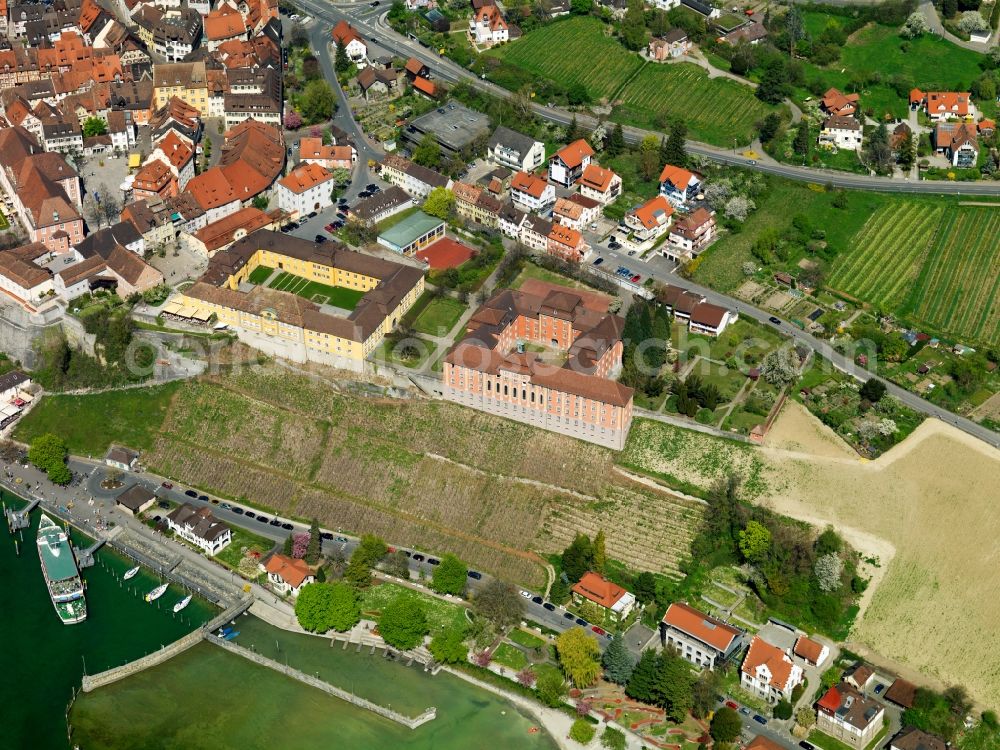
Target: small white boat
[(182, 603), (131, 573), (156, 593)]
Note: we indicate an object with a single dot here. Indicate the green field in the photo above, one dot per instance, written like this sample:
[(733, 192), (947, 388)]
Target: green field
[(716, 110), (439, 317), (130, 417), (509, 656), (936, 264), (441, 615), (314, 291), (260, 274), (574, 51), (233, 552)]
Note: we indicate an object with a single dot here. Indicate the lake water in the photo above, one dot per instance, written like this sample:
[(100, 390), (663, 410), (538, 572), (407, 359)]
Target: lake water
[(208, 698), (43, 660)]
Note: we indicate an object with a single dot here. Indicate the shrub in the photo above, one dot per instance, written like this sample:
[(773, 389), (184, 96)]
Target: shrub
[(582, 731)]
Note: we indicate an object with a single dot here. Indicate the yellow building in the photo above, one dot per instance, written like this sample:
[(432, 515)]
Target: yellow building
[(287, 325), (186, 81)]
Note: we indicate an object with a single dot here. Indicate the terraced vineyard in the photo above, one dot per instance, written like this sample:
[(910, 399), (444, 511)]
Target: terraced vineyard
[(645, 530), (938, 266), (958, 290), (716, 110), (574, 51), (887, 254)]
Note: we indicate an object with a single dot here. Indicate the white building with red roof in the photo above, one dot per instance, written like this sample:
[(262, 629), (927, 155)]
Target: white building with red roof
[(354, 45), (813, 652), (679, 185), (600, 184), (567, 164), (769, 672), (287, 575), (942, 105), (487, 27), (845, 714), (307, 188), (531, 193), (651, 219), (602, 592), (701, 639)]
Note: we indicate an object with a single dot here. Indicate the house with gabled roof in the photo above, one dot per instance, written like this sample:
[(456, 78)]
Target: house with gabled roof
[(600, 184), (679, 185), (287, 575), (199, 527), (651, 219), (531, 192), (845, 714), (911, 738), (354, 45), (942, 105), (769, 672), (691, 235), (576, 211), (958, 142), (593, 587), (699, 638), (836, 103), (811, 651), (487, 27), (567, 164), (567, 243)]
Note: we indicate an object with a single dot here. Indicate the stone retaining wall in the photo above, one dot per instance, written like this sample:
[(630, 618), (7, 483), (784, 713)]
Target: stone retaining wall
[(92, 682)]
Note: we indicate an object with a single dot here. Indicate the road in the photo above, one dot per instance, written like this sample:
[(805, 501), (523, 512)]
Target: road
[(361, 17)]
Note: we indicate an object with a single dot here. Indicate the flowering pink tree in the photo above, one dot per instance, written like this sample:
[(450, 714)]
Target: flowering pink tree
[(526, 677), (300, 543), (582, 707), (482, 658), (293, 120)]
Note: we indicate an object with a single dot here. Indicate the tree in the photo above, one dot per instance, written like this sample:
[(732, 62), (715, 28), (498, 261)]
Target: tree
[(403, 623), (779, 366), (398, 564), (801, 143), (706, 687), (915, 25), (644, 587), (805, 717), (48, 453), (574, 132), (617, 661), (641, 685), (673, 687), (973, 21), (317, 103), (616, 141), (439, 203), (726, 725), (293, 120), (873, 390), (341, 62), (769, 127), (577, 94), (581, 7), (428, 151), (448, 646), (578, 557), (783, 710), (755, 541), (450, 576), (287, 548), (582, 731), (600, 553), (739, 207), (94, 126), (906, 152), (613, 739), (773, 86), (829, 569), (320, 607), (370, 550), (878, 150), (578, 654), (500, 603), (357, 573), (634, 25), (551, 688), (674, 150), (314, 547)]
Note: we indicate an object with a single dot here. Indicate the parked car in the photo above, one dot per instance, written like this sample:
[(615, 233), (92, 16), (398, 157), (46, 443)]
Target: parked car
[(329, 227), (806, 745), (549, 606), (320, 238), (581, 622), (526, 594), (167, 486), (215, 501), (342, 539), (225, 506), (251, 514), (163, 504), (238, 511), (631, 253), (372, 186), (774, 321), (338, 224), (568, 615), (879, 688), (433, 561), (475, 575), (326, 535), (203, 498), (418, 557), (191, 493), (598, 261), (732, 704), (744, 710), (598, 630), (537, 599), (263, 519), (759, 719), (287, 526), (635, 279), (276, 522)]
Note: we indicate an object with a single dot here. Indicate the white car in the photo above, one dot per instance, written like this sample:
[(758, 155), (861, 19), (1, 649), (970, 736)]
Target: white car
[(526, 594)]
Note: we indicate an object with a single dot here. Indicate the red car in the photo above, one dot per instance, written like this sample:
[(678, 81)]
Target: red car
[(167, 486), (599, 631), (635, 279), (732, 705)]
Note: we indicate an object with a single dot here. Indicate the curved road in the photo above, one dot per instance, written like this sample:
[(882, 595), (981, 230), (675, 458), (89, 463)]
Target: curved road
[(359, 15)]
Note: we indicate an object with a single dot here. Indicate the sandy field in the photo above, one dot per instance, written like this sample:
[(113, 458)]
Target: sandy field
[(929, 510)]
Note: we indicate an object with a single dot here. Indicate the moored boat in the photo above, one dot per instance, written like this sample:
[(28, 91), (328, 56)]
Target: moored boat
[(131, 573), (62, 577), (156, 593), (182, 603), (231, 635)]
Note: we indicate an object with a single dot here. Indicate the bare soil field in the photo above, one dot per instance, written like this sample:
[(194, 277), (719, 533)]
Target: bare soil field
[(929, 510), (421, 473), (797, 430)]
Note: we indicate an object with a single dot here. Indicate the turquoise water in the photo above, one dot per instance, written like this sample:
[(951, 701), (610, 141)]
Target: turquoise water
[(43, 660), (212, 699)]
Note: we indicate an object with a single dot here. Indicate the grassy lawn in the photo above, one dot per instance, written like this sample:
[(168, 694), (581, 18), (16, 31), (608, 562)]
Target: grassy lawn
[(509, 656), (260, 274), (524, 638), (389, 351), (827, 742), (439, 316), (233, 552), (531, 271), (314, 291), (441, 615), (544, 669), (132, 417)]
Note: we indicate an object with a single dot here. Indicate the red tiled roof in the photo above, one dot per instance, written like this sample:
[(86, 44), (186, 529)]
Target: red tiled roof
[(776, 661), (290, 570), (565, 235), (761, 742), (948, 102), (830, 700), (649, 212), (596, 178), (677, 176), (574, 154), (528, 183), (305, 177), (224, 22), (344, 33), (809, 649), (701, 626), (422, 84), (413, 65), (599, 589), (916, 96)]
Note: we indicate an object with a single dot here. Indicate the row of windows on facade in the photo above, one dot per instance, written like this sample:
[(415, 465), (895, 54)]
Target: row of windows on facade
[(541, 398), (576, 421)]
